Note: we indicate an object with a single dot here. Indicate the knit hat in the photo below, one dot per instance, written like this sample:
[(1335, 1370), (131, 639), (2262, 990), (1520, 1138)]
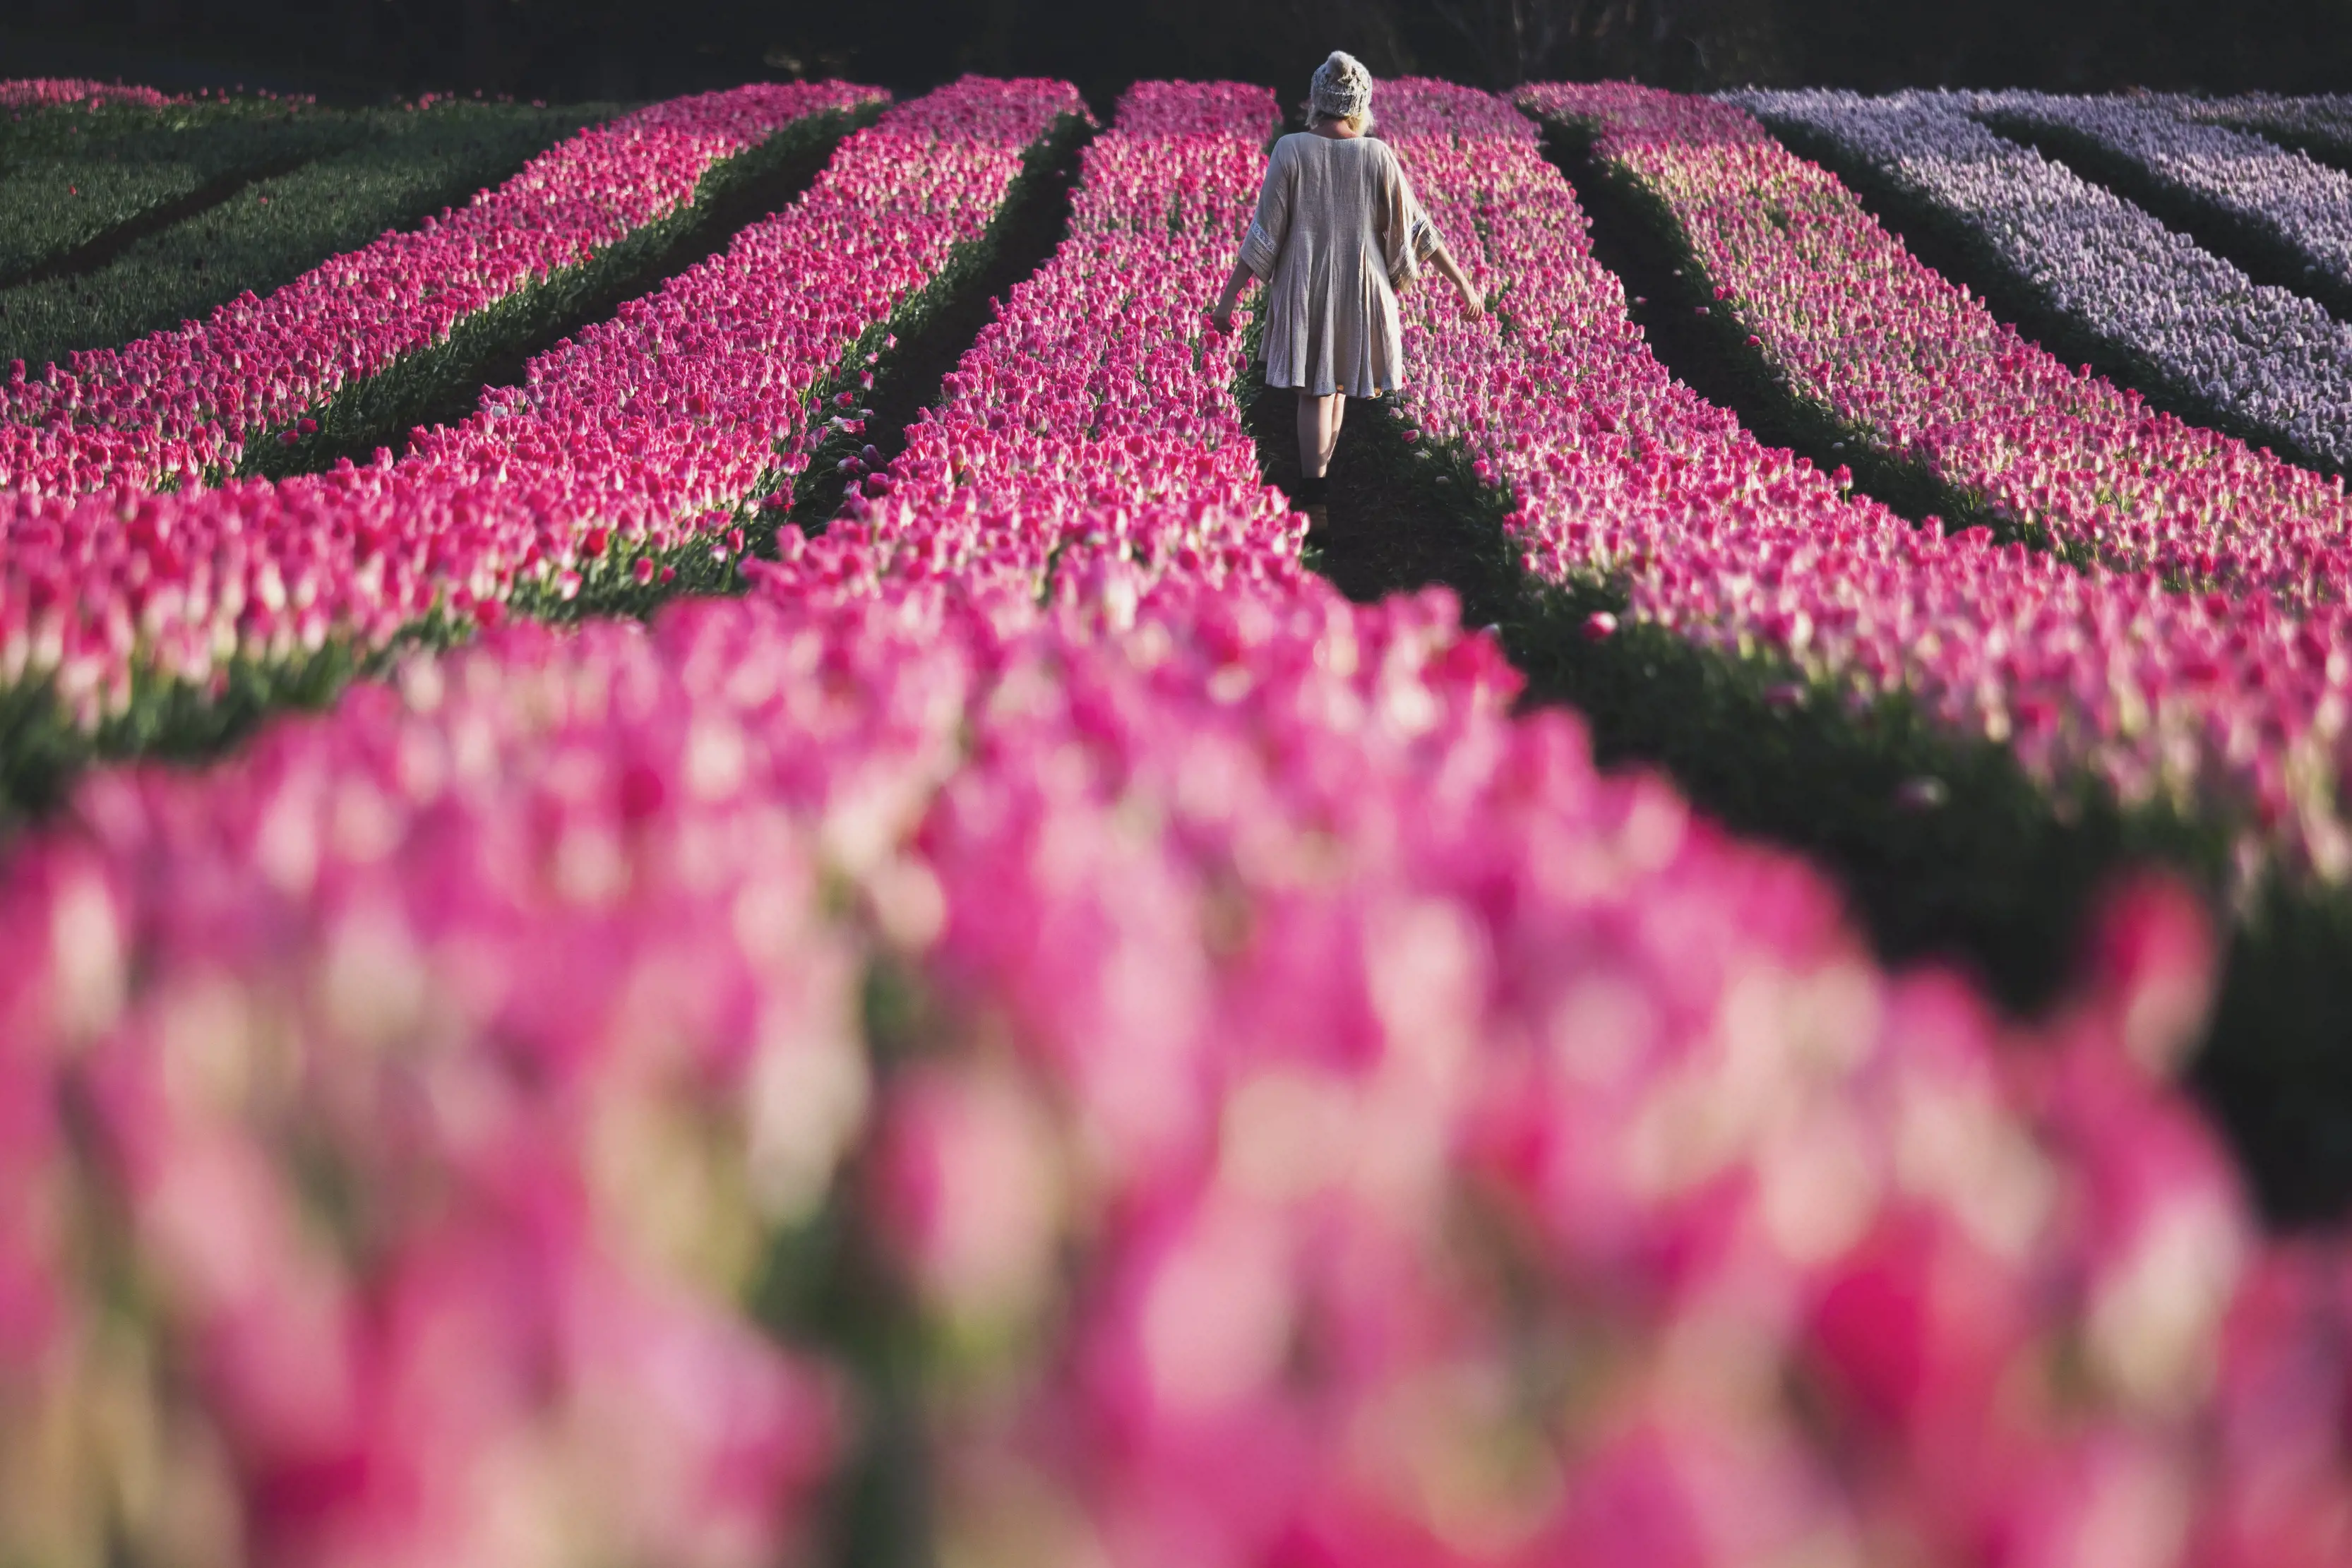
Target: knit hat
[(1343, 87)]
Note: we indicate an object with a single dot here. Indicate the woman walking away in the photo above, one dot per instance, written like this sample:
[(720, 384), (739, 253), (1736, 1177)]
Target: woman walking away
[(1336, 232)]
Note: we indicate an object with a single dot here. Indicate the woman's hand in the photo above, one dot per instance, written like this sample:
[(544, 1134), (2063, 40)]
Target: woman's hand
[(1474, 303), (1221, 315)]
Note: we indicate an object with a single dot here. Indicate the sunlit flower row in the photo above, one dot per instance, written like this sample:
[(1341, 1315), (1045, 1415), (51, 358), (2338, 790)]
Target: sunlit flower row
[(1041, 421), (659, 427), (1909, 362), (182, 405), (2266, 355), (1305, 1112)]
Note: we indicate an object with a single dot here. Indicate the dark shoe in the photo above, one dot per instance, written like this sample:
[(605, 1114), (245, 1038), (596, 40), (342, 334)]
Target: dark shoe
[(1312, 492)]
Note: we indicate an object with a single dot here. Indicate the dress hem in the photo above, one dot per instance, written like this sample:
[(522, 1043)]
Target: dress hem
[(1301, 386)]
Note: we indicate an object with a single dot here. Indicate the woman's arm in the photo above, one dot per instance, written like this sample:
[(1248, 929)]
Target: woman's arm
[(1474, 304), (1222, 315), (1262, 244), (1414, 242)]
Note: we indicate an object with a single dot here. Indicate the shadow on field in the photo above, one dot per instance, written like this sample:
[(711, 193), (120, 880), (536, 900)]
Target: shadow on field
[(101, 248)]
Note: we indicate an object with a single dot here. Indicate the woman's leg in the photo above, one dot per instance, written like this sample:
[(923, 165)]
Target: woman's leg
[(1313, 457), (1318, 430)]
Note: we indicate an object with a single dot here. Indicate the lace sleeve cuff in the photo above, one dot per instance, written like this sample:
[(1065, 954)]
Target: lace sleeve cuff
[(1260, 252), (1420, 243)]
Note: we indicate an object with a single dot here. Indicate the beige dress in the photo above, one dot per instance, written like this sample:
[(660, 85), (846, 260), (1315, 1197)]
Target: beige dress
[(1336, 232)]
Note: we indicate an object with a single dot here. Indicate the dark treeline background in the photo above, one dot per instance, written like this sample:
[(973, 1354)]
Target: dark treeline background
[(557, 49)]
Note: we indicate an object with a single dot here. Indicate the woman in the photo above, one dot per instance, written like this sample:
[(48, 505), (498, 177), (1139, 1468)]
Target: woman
[(1336, 232)]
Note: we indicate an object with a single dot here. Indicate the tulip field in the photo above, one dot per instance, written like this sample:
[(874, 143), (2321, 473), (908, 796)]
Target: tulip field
[(554, 1014)]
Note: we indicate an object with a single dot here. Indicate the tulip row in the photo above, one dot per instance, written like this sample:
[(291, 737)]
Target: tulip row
[(32, 129), (2194, 327), (2321, 125), (92, 126), (403, 165), (69, 126), (60, 122), (1851, 323), (2281, 208), (453, 1072), (55, 92), (443, 383), (1309, 1113), (625, 454), (186, 403), (1039, 423), (1090, 440)]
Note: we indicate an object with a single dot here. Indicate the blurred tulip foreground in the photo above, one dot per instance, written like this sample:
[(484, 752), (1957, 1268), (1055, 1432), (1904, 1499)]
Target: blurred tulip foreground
[(1021, 1026)]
